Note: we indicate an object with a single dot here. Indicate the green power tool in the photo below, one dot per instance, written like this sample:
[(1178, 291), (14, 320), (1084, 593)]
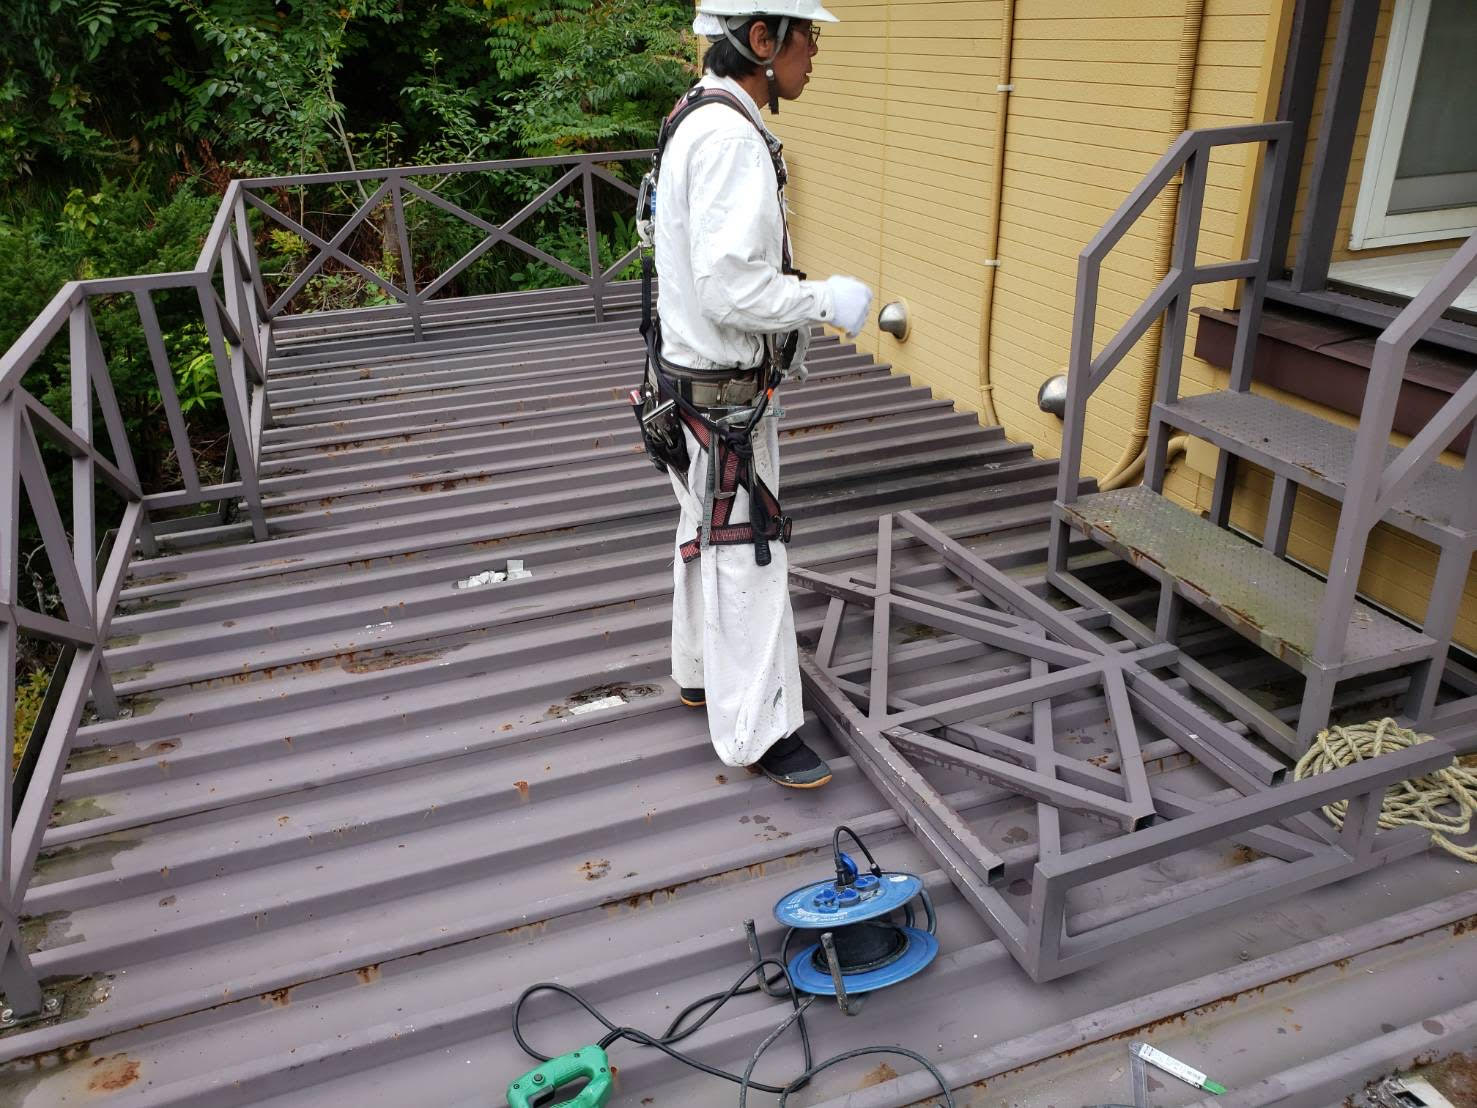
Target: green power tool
[(541, 1086)]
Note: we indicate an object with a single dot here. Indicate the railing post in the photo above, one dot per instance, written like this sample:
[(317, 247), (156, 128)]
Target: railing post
[(17, 979), (592, 237), (407, 260), (236, 409)]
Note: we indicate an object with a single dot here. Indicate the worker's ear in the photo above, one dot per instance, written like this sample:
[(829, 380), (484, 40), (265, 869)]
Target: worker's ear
[(761, 41)]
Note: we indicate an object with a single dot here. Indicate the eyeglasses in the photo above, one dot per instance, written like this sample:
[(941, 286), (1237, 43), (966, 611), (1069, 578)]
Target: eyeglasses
[(812, 32)]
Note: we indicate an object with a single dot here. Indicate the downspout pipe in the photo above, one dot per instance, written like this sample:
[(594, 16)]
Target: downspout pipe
[(1003, 89), (1130, 467)]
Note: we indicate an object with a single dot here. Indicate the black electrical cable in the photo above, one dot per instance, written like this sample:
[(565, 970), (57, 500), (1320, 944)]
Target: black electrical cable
[(663, 1043), (745, 1084), (804, 1078), (836, 852)]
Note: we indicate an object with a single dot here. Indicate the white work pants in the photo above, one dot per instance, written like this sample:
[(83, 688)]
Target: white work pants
[(733, 633)]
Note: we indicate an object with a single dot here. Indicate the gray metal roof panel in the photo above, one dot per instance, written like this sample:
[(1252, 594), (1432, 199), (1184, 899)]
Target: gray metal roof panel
[(354, 814)]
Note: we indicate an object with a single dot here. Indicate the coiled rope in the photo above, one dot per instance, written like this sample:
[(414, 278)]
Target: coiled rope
[(1442, 802)]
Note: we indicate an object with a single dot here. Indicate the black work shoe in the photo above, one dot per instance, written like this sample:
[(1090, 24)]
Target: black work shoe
[(794, 765), (694, 698)]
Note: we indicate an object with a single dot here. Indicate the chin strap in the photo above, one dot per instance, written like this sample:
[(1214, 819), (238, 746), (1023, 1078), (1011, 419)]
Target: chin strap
[(768, 63)]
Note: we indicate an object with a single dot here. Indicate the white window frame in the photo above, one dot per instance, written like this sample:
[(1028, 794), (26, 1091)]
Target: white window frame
[(1373, 225)]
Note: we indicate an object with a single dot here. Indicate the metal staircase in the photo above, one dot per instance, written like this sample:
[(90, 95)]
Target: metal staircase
[(1315, 625)]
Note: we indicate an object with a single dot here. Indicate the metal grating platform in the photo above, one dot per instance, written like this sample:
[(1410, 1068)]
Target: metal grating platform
[(1270, 601), (1310, 451)]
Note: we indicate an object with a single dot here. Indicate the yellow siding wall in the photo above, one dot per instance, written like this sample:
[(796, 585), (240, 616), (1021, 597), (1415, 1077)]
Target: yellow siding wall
[(890, 161), (889, 151)]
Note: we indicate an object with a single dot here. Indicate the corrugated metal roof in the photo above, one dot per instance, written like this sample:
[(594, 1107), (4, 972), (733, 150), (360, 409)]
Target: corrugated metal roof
[(354, 812)]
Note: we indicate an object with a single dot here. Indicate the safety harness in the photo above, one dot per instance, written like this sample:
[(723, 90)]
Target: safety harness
[(662, 408)]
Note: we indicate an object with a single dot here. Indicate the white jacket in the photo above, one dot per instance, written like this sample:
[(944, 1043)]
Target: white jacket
[(718, 242)]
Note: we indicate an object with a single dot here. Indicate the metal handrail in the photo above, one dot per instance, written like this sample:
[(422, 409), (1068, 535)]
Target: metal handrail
[(396, 186), (237, 317), (1373, 484), (1189, 154)]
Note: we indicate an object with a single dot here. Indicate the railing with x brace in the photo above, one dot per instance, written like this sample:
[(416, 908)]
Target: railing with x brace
[(397, 186), (237, 313)]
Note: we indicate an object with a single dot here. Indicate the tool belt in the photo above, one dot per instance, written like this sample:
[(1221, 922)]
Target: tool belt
[(714, 388)]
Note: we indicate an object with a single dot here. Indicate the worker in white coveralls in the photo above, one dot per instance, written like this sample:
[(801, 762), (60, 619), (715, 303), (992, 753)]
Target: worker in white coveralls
[(734, 319)]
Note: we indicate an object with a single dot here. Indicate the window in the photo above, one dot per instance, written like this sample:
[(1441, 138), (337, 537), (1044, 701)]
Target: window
[(1420, 174)]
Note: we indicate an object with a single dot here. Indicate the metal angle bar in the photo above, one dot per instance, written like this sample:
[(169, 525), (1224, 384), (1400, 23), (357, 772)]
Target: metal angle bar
[(496, 166), (1028, 783), (610, 178), (407, 260), (215, 237), (1137, 202), (102, 383), (1006, 638), (1224, 271), (51, 628), (620, 263), (326, 248), (485, 225), (205, 494), (83, 540), (1341, 107), (881, 621), (856, 734), (239, 315), (837, 588), (31, 820), (1002, 698), (1225, 821), (825, 650), (23, 352), (998, 587), (75, 445), (1120, 715), (1142, 319), (1243, 894), (1295, 103), (115, 570), (75, 598), (18, 978), (233, 333), (1260, 765), (1043, 740), (246, 245), (235, 417), (168, 393)]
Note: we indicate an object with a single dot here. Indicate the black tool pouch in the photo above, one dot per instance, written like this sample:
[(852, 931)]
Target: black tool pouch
[(661, 427)]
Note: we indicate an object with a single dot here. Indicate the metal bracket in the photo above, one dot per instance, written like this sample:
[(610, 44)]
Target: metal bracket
[(51, 1007), (849, 1005)]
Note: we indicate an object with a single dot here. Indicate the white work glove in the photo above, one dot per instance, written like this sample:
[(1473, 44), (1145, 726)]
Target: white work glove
[(850, 300)]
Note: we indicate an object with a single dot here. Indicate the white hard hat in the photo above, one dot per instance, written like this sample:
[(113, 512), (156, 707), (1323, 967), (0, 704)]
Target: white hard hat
[(714, 15)]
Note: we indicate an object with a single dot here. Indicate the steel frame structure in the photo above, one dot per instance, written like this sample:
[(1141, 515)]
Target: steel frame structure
[(1319, 629), (236, 314), (1004, 734)]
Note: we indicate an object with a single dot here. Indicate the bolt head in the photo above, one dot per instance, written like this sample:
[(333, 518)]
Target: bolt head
[(7, 1014)]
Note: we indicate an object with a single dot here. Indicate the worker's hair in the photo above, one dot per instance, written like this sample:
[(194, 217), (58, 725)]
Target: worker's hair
[(722, 60)]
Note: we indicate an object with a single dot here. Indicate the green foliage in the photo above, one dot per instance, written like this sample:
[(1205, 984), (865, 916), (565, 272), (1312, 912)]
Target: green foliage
[(30, 691)]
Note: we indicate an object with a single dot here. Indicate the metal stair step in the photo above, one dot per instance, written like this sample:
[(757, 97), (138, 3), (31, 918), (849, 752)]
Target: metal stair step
[(1312, 452), (1270, 601)]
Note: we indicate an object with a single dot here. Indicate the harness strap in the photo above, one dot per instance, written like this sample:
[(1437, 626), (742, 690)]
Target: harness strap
[(733, 462)]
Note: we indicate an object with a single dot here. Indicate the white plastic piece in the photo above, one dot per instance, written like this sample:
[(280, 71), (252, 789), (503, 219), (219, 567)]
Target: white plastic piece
[(477, 580), (597, 705), (516, 570)]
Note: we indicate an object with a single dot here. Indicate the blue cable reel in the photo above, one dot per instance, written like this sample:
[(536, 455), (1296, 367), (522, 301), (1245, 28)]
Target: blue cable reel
[(861, 949)]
